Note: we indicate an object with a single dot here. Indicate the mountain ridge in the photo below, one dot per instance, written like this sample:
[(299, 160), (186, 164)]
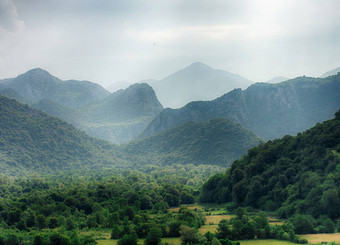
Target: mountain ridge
[(269, 110), (196, 82)]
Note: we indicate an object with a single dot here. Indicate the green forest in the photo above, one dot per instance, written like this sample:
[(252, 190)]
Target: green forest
[(60, 186)]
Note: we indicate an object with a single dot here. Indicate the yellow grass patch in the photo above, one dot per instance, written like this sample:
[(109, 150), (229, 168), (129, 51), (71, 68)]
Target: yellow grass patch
[(97, 234), (192, 207), (265, 242), (107, 242), (318, 238), (170, 240), (205, 228), (215, 219)]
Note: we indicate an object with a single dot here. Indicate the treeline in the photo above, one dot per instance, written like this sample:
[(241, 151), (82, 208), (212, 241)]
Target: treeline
[(292, 175), (58, 207)]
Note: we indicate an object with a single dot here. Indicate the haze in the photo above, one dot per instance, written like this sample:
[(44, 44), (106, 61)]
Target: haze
[(107, 41)]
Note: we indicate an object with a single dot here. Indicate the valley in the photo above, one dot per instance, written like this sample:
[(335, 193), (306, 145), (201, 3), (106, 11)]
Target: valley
[(254, 166)]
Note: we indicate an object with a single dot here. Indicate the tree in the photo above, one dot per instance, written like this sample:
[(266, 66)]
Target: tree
[(215, 241), (129, 239), (223, 230), (153, 237), (188, 235)]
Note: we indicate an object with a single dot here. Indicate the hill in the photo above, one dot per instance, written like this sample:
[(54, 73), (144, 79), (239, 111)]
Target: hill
[(294, 175), (331, 72), (277, 79), (218, 141), (118, 117), (38, 84), (32, 141), (196, 82), (269, 110)]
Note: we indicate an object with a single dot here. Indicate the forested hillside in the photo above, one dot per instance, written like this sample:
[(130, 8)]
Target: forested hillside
[(294, 175), (218, 141), (269, 110), (32, 141)]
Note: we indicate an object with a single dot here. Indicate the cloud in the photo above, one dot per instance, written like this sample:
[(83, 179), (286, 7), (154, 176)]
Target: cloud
[(9, 20)]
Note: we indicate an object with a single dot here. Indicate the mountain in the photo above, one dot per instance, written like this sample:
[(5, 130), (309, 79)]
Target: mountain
[(294, 175), (32, 141), (218, 141), (123, 115), (10, 93), (118, 86), (118, 118), (38, 84), (196, 82), (138, 100), (277, 79), (331, 72), (269, 110)]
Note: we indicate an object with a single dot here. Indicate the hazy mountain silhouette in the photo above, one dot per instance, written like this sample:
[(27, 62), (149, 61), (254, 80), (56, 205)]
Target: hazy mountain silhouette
[(196, 82)]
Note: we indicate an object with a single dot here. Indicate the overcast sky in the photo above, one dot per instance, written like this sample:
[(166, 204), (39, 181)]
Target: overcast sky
[(106, 41)]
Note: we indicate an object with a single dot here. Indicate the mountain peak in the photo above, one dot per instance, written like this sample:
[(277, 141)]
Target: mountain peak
[(37, 71), (199, 65)]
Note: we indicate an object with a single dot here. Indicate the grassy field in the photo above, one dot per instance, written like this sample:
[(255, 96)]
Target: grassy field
[(205, 228), (265, 242), (169, 240), (215, 219), (318, 238)]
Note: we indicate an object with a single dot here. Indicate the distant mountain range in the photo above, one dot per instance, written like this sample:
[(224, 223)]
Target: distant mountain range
[(38, 84), (269, 110), (118, 117), (217, 141), (195, 83), (331, 72), (277, 79), (32, 142), (118, 86)]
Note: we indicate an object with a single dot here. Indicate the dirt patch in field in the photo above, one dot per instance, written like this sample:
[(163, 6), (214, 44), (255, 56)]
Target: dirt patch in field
[(318, 238)]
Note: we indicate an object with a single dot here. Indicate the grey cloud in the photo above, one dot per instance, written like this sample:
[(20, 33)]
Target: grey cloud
[(8, 16)]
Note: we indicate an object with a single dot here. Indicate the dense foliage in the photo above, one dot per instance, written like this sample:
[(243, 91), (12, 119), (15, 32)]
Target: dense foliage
[(32, 141), (294, 175), (130, 204), (217, 141)]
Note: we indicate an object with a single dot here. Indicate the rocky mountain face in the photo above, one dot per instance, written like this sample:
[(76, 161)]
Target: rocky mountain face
[(196, 82), (269, 110)]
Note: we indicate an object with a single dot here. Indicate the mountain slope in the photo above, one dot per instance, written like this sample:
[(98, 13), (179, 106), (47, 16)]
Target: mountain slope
[(218, 141), (121, 116), (30, 140), (277, 79), (38, 84), (269, 110), (331, 72), (196, 82), (294, 175), (138, 100)]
